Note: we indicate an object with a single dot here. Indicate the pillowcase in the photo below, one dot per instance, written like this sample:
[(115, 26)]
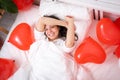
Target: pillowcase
[(82, 15), (61, 9), (82, 28)]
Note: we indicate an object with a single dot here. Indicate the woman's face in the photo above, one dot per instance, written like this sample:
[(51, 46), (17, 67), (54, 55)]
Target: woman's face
[(52, 32)]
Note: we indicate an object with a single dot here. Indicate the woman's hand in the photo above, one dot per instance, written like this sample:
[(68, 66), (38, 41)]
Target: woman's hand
[(69, 19), (43, 21), (39, 25)]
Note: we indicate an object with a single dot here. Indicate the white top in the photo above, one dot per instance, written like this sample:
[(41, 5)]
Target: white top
[(48, 59)]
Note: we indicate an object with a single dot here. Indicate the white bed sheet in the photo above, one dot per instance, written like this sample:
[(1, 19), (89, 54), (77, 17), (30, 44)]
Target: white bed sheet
[(109, 70), (10, 51)]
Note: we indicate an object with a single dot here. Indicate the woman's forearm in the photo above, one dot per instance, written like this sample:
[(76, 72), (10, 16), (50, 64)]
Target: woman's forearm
[(43, 21), (70, 36), (52, 21)]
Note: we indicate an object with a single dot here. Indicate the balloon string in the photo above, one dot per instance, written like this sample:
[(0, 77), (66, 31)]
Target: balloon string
[(26, 55), (27, 60), (119, 63)]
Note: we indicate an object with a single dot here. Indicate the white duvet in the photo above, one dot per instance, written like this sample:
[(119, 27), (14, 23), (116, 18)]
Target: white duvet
[(52, 65), (48, 62), (47, 66)]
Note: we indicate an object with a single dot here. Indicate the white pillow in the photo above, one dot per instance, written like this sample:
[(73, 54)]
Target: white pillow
[(61, 9), (81, 14), (82, 28)]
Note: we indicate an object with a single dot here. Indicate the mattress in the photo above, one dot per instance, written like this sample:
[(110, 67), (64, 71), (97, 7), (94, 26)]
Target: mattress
[(108, 70)]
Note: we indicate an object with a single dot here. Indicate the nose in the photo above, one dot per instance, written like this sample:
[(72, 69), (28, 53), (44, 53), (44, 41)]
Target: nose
[(49, 30)]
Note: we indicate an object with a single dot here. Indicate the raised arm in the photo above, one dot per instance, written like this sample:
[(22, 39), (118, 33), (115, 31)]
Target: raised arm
[(68, 23), (70, 37), (43, 21)]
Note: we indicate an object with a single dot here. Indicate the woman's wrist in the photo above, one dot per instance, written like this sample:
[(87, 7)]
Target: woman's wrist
[(39, 28)]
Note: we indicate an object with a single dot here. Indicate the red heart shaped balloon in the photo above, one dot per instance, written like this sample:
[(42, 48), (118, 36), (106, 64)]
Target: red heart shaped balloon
[(117, 51), (23, 4), (89, 51), (7, 67), (22, 36), (108, 32)]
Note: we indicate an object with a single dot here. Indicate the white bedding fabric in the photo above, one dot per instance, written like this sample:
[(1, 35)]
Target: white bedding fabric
[(44, 62), (82, 15), (109, 70), (62, 9), (9, 50)]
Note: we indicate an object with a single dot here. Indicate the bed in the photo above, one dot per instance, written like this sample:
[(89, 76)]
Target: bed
[(85, 26)]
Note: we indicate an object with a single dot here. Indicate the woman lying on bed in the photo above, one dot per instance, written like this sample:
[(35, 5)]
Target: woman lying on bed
[(47, 55)]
